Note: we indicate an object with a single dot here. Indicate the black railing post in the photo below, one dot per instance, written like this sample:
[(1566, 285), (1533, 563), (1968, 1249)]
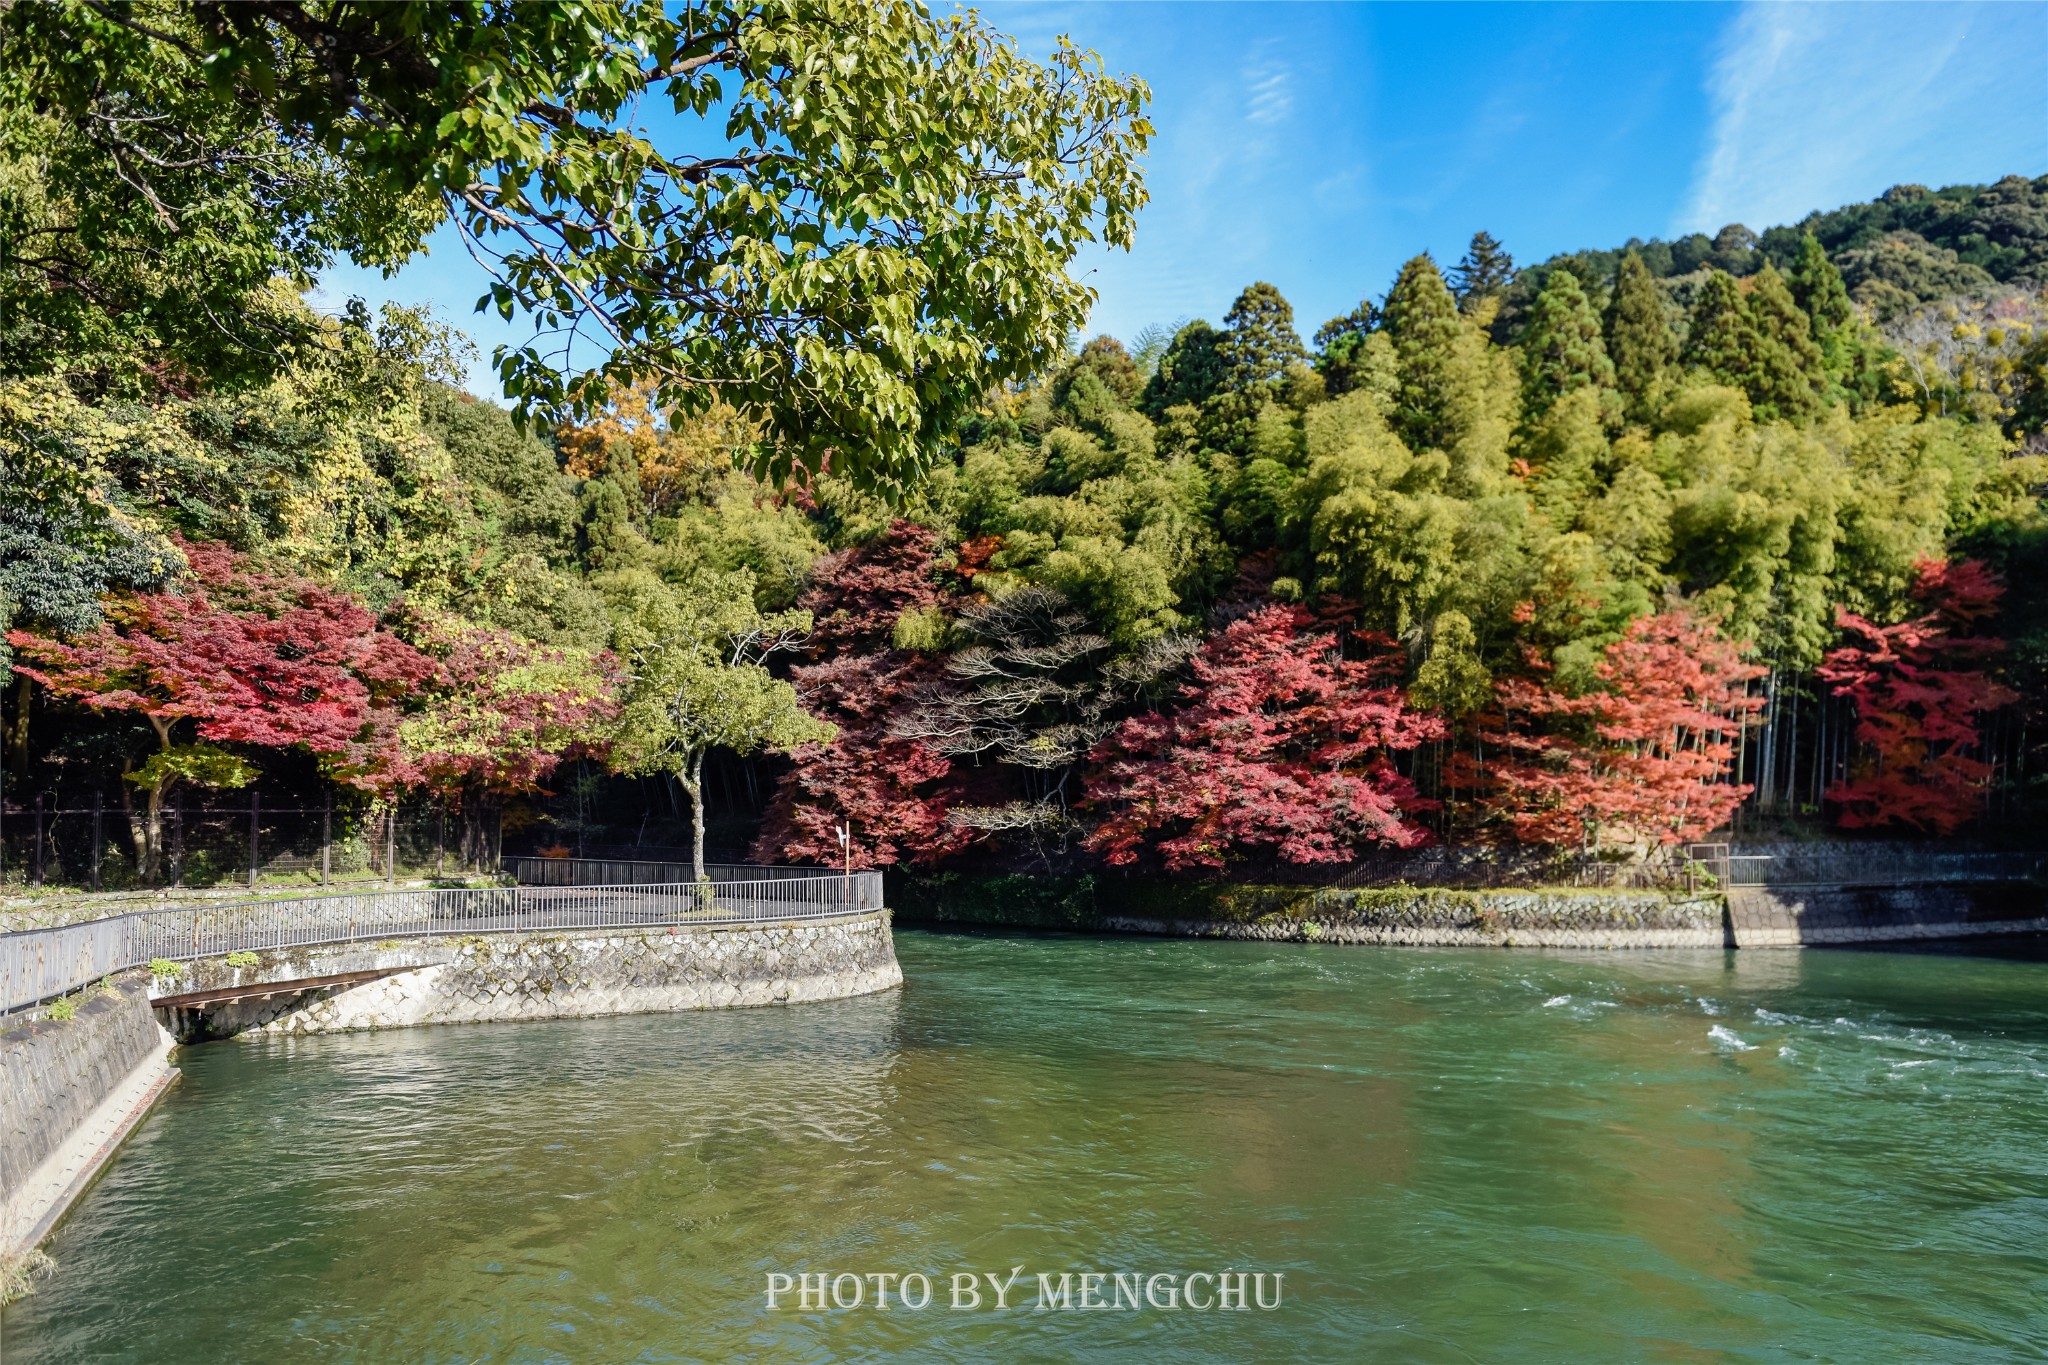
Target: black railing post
[(326, 835), (255, 816), (39, 838), (391, 845), (98, 835)]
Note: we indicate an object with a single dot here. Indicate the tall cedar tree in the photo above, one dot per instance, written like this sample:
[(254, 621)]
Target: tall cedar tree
[(1260, 344), (1484, 272), (1106, 359), (1639, 337), (1818, 289), (249, 657), (1281, 746), (1788, 376), (1422, 318), (1647, 752), (1338, 343), (1561, 347), (1918, 689), (1191, 371), (1720, 337)]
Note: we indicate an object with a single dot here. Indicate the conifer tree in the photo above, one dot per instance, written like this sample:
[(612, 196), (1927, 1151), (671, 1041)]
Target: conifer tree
[(1787, 376), (1818, 289), (1484, 272), (1191, 370), (1639, 338), (1422, 319), (1259, 342), (1720, 340), (1338, 343), (1561, 348)]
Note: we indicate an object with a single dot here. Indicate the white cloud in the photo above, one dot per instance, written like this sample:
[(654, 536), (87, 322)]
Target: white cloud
[(1816, 105), (1269, 88)]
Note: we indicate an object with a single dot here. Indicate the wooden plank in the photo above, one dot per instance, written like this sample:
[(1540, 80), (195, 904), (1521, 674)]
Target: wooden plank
[(258, 990)]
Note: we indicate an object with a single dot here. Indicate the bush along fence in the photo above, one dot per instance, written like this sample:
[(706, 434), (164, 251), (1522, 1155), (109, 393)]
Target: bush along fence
[(87, 841), (41, 964)]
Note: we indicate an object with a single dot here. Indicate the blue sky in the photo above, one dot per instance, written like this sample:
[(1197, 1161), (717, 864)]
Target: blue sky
[(1319, 145)]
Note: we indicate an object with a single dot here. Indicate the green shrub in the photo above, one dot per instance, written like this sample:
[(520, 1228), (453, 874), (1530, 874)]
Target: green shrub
[(243, 958), (63, 1010), (163, 969)]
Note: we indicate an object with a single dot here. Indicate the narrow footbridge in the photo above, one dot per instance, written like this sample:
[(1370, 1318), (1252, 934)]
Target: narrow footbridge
[(41, 964)]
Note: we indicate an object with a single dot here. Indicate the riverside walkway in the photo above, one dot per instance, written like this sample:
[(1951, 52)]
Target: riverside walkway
[(37, 965)]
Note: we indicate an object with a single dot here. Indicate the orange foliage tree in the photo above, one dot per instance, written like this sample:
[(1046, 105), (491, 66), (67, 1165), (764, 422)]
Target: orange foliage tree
[(672, 460), (1647, 752)]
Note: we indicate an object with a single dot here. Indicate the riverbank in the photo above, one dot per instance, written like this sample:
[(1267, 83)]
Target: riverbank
[(72, 1088), (509, 977), (76, 1079), (1403, 916), (1536, 917)]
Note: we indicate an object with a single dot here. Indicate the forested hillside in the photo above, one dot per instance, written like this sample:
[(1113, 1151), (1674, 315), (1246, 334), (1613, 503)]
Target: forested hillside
[(1592, 556), (1910, 246)]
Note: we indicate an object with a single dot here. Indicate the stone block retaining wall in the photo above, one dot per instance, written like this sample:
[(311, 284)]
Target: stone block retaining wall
[(1557, 917), (1475, 919), (60, 1080), (547, 975), (1394, 915), (1789, 917)]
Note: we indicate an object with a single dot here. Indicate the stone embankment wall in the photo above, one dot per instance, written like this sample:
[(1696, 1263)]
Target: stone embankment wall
[(545, 975), (1467, 919), (69, 1090), (1559, 917), (1418, 916), (1790, 917)]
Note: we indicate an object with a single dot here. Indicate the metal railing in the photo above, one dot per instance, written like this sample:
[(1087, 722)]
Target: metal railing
[(39, 964), (536, 871)]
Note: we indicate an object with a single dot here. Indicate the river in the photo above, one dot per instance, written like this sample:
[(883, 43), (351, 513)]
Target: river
[(1450, 1156)]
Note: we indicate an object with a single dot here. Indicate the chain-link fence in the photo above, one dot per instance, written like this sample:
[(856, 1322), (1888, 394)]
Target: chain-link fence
[(97, 844)]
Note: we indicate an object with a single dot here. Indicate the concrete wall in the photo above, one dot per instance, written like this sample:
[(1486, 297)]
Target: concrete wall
[(1789, 917), (547, 975), (69, 1090)]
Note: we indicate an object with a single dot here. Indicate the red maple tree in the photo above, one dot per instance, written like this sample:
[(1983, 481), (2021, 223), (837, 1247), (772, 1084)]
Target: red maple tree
[(1918, 688), (499, 713), (881, 784), (247, 655), (859, 594), (1281, 745), (1647, 751)]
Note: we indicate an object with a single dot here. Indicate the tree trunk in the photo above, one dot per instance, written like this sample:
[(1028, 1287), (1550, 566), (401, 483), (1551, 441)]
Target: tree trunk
[(693, 783), (17, 733), (145, 828)]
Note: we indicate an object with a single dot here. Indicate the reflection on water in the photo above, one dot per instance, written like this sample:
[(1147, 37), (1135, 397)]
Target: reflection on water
[(1452, 1155)]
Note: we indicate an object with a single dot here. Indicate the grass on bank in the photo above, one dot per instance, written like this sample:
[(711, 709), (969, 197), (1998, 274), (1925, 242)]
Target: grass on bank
[(19, 1273)]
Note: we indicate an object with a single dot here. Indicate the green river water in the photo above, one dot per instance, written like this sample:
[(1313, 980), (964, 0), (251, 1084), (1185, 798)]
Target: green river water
[(1451, 1156)]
